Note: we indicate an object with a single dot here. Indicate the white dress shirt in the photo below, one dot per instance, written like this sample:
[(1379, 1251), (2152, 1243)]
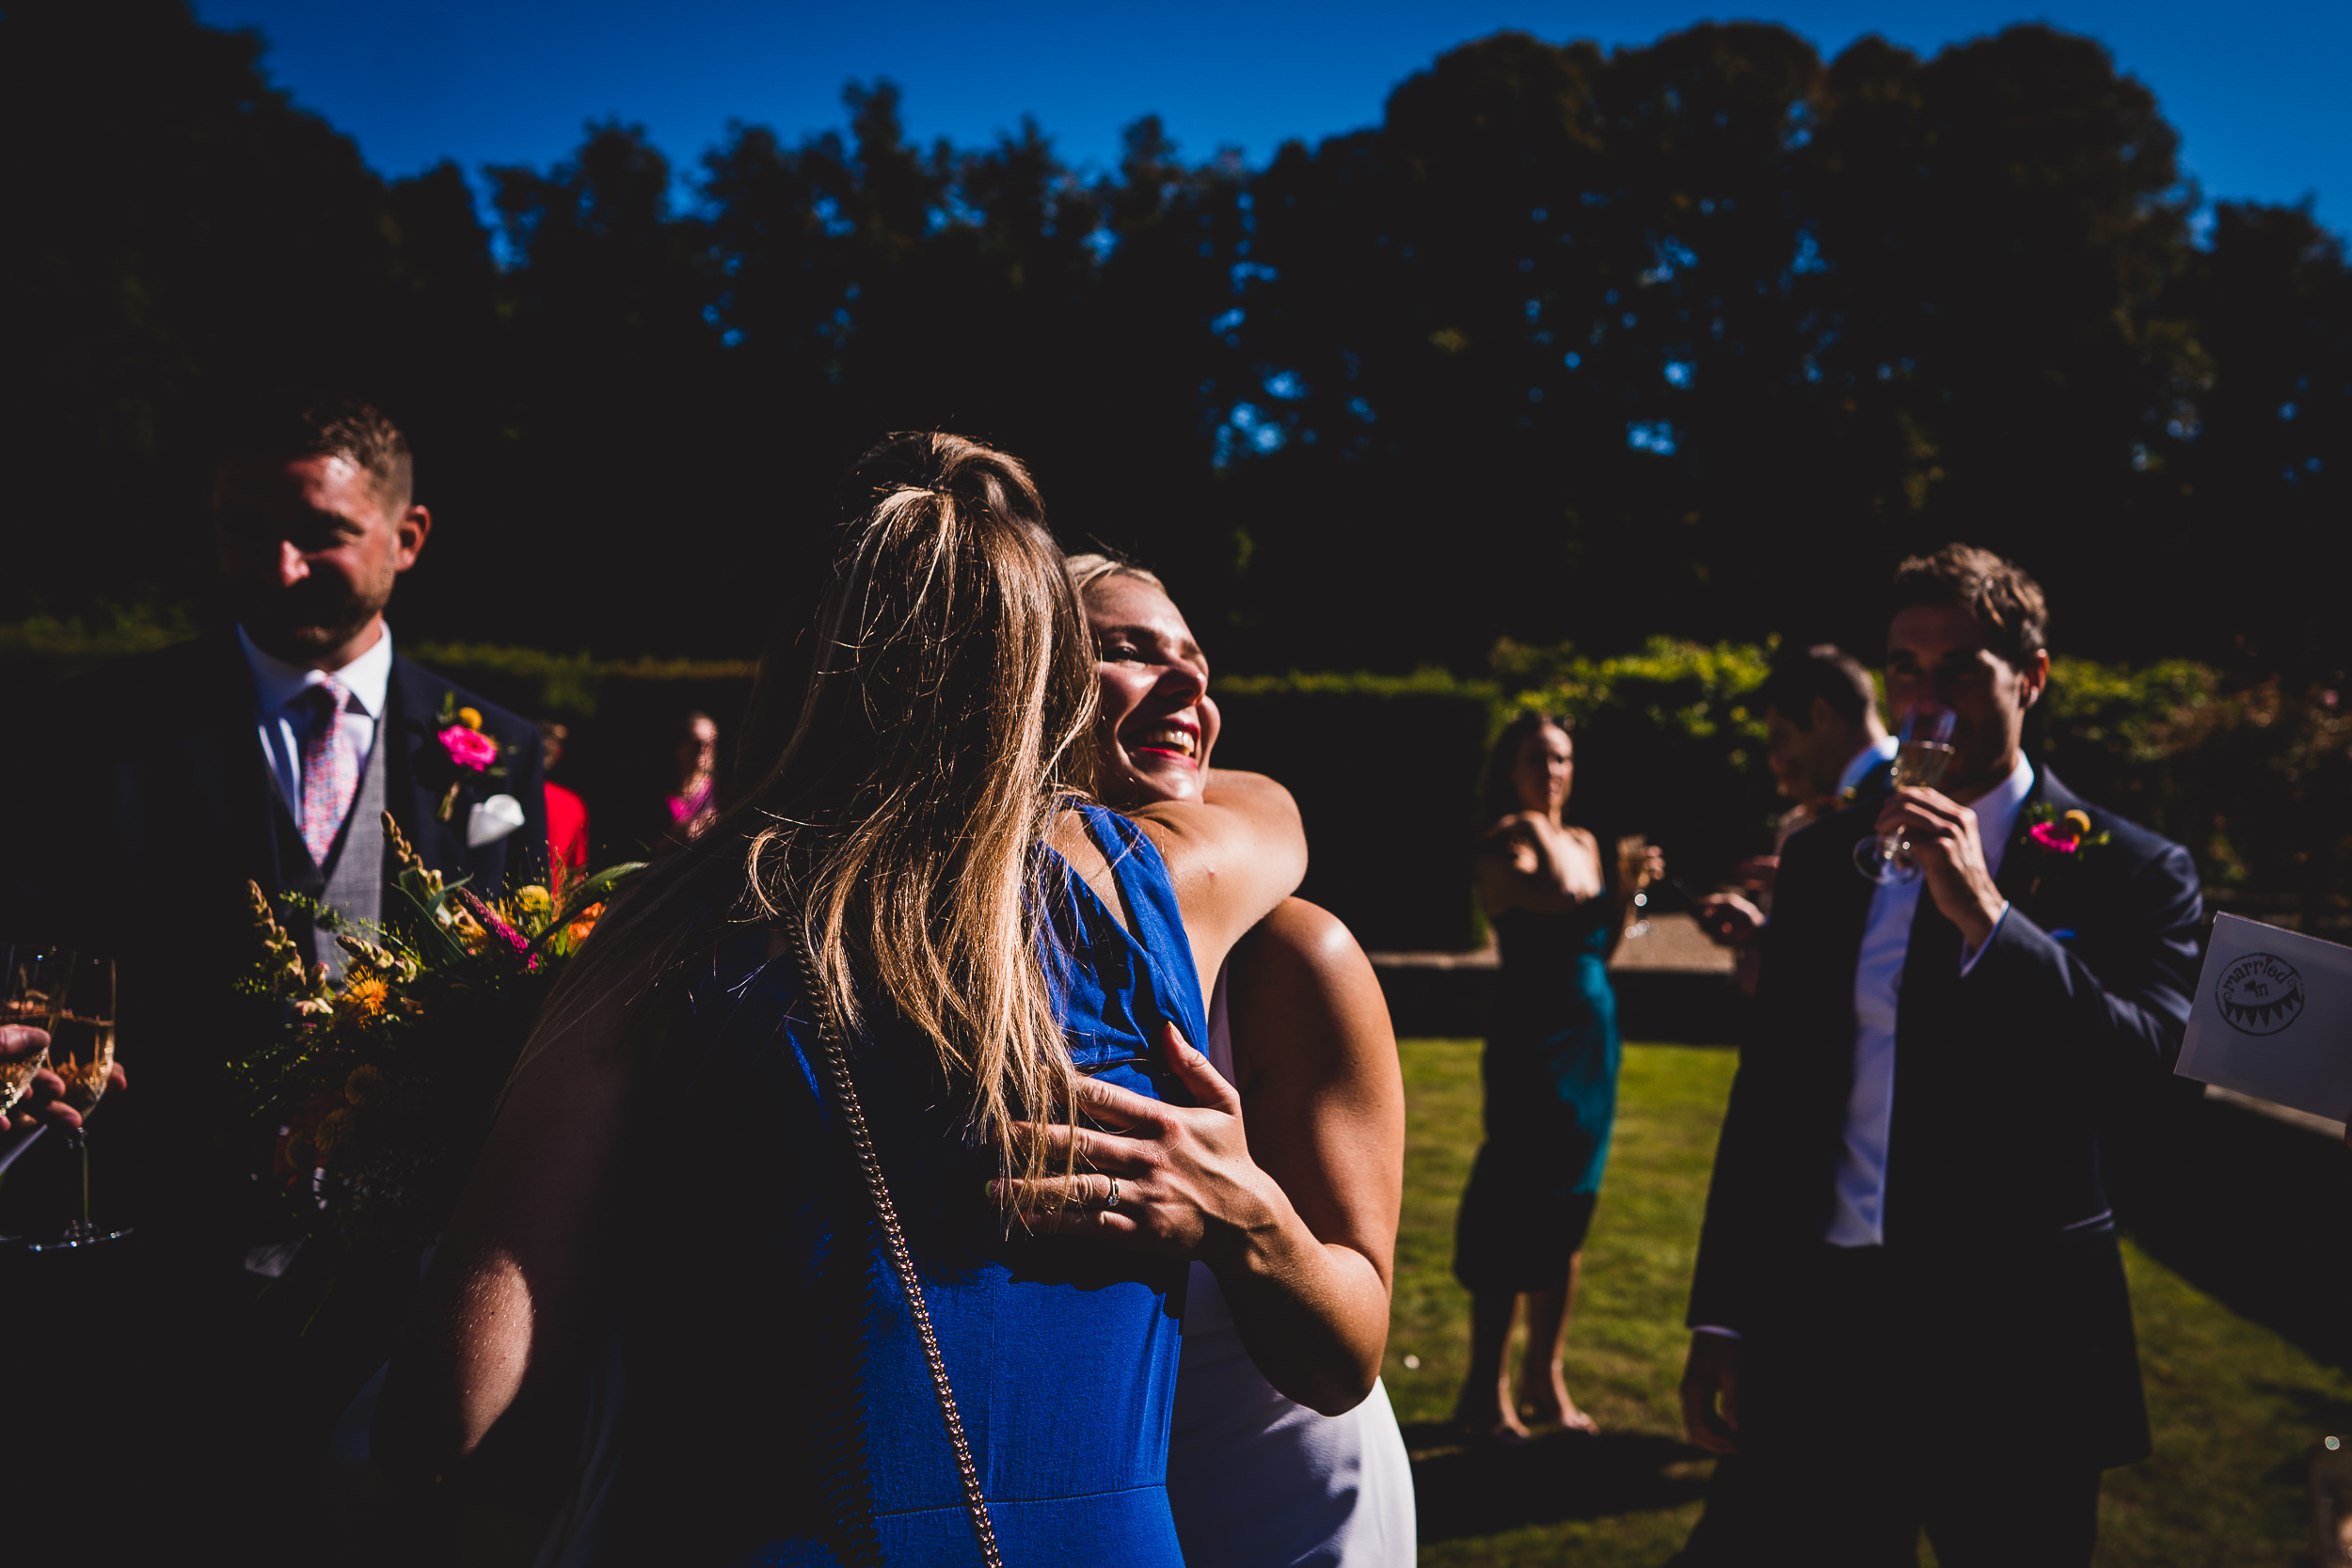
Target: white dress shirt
[(1858, 1219), (286, 720)]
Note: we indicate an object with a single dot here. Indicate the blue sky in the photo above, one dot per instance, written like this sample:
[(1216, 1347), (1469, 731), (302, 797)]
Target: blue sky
[(2253, 86)]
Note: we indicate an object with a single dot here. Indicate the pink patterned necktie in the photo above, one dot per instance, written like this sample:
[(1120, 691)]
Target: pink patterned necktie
[(330, 767)]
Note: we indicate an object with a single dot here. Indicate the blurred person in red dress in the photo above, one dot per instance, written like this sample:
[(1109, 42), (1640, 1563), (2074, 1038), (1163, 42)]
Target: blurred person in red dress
[(567, 814)]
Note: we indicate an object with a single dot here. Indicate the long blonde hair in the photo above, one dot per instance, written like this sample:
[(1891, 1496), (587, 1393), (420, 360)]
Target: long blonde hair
[(937, 716)]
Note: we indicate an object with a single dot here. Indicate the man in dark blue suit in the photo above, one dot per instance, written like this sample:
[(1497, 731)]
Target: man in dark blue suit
[(269, 750), (1909, 1309)]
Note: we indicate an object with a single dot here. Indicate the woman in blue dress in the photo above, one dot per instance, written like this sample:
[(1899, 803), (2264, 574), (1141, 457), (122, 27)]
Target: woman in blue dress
[(775, 1136), (1557, 907)]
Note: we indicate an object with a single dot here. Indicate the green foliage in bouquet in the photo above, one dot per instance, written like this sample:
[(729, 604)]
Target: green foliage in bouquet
[(378, 1086)]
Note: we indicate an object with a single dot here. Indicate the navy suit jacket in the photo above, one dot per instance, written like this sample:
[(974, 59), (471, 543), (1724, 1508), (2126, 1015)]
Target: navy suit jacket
[(2071, 1019)]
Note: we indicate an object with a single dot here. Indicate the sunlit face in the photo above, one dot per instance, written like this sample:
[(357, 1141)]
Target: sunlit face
[(1158, 724), (1937, 655), (1545, 770), (309, 548)]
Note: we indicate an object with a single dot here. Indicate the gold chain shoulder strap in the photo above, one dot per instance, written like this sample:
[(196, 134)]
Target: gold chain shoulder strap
[(834, 1059)]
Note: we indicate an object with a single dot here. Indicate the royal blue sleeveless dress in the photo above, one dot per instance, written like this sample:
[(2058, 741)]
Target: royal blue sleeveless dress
[(778, 1409)]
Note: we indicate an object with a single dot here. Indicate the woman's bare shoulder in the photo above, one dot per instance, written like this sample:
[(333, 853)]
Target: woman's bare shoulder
[(1302, 945), (1307, 1010), (1069, 837)]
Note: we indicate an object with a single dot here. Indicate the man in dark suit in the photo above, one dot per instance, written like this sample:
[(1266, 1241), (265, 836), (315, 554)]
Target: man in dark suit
[(269, 751), (1908, 1309)]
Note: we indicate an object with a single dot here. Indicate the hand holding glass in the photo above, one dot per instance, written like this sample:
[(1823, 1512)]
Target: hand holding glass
[(81, 1053), (1921, 758), (33, 975)]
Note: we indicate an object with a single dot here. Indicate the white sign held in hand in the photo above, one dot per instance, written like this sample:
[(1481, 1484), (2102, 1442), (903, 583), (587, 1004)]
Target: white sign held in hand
[(2273, 1017)]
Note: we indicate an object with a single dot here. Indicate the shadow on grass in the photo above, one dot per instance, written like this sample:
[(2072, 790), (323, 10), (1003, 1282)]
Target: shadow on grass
[(1465, 1491), (2234, 1203)]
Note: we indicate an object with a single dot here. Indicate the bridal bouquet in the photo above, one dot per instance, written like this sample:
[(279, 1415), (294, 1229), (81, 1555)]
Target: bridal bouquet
[(377, 1087)]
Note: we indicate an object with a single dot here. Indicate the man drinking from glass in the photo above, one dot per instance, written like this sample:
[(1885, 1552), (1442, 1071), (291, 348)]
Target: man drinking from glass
[(1909, 1309)]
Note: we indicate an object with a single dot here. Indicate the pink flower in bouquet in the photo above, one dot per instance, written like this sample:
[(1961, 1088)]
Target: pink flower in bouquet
[(2055, 835), (469, 747), (490, 922)]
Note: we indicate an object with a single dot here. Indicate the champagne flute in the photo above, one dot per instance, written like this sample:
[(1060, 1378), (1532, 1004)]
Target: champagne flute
[(81, 1053), (1924, 752), (1633, 873), (34, 973)]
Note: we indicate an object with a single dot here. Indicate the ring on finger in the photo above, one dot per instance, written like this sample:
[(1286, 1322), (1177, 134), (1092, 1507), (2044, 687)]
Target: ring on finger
[(1111, 1200)]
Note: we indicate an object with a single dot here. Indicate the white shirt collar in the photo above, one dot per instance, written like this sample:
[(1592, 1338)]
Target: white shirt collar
[(276, 683), (1997, 810), (1863, 760)]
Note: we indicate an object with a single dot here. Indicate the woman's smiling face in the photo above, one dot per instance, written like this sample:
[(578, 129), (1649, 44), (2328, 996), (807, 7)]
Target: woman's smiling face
[(1158, 724)]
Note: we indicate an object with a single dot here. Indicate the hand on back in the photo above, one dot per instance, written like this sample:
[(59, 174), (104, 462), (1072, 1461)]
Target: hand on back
[(1183, 1181)]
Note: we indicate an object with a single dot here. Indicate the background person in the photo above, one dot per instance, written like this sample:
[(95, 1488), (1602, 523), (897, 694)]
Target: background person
[(567, 814), (692, 800), (1550, 1076), (1826, 747), (1909, 1309), (996, 955), (1284, 1447)]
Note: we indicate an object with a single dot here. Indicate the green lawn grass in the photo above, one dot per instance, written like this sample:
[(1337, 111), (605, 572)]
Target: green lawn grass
[(2235, 1406)]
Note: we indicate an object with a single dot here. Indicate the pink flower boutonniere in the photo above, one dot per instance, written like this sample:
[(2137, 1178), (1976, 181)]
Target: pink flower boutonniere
[(466, 748), (2055, 834), (469, 747)]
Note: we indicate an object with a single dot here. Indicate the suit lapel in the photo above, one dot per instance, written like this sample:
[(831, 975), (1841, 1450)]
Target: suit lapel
[(1853, 826), (2024, 863), (1831, 905), (410, 705), (223, 751)]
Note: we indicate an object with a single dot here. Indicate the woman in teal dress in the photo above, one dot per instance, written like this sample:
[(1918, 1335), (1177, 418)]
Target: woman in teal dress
[(1553, 898), (788, 1150)]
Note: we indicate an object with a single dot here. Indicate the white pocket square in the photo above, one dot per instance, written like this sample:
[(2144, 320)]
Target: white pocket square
[(492, 820)]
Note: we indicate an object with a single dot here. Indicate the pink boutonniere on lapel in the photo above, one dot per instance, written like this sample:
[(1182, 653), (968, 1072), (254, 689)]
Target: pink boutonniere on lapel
[(468, 749), (2057, 838)]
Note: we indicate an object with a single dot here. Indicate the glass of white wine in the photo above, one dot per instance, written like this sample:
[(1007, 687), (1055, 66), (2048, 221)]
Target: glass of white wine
[(1923, 753), (34, 973), (81, 1053)]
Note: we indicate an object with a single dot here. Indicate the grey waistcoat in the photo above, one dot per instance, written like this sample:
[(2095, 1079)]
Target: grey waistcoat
[(354, 866)]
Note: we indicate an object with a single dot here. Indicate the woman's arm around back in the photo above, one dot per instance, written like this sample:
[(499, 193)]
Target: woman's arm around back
[(1323, 1097)]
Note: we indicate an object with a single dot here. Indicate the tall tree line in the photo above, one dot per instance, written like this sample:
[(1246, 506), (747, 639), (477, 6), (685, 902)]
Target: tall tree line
[(1697, 337)]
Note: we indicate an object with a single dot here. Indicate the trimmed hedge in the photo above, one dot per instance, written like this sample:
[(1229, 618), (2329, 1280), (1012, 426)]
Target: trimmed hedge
[(2254, 777), (1386, 771)]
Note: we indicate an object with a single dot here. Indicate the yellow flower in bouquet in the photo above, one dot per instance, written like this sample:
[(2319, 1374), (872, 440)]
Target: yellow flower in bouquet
[(365, 995), (530, 910)]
